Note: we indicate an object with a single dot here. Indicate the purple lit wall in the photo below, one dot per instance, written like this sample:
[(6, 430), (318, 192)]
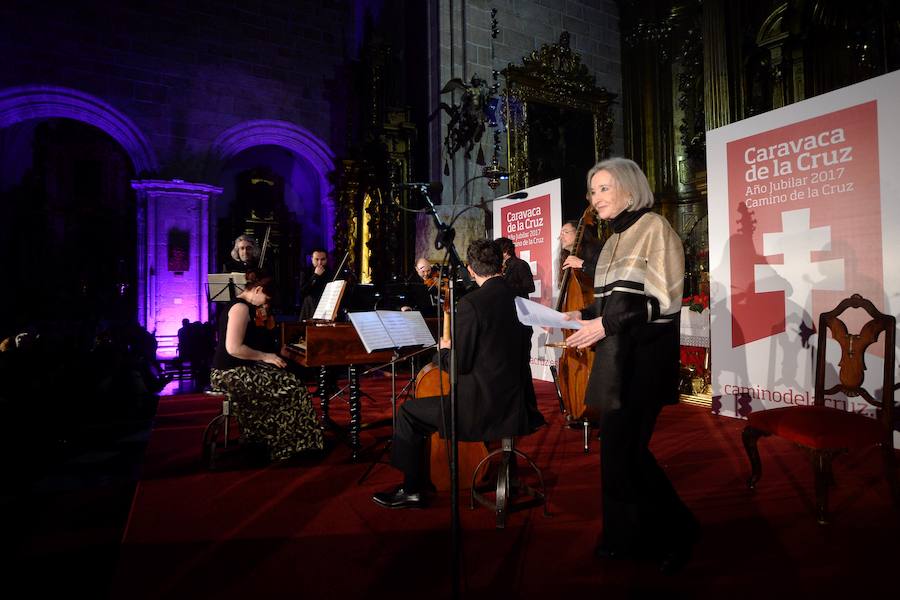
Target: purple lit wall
[(173, 229), (308, 193), (173, 256), (26, 103), (191, 91)]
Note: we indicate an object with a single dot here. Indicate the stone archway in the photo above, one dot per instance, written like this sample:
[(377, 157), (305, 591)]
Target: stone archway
[(28, 102), (292, 137)]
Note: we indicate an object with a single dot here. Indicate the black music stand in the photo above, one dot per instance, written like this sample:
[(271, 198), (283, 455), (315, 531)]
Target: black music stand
[(223, 287), (405, 392), (219, 283)]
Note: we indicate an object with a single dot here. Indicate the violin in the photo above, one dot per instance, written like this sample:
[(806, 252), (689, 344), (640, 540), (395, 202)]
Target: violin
[(264, 316), (434, 279)]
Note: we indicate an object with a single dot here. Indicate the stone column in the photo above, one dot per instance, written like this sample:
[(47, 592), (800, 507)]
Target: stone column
[(173, 255)]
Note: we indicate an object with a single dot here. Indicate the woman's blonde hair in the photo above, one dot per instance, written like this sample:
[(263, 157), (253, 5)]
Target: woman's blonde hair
[(630, 180)]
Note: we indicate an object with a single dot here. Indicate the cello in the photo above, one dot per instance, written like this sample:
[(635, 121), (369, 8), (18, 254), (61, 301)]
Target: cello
[(576, 291), (432, 381)]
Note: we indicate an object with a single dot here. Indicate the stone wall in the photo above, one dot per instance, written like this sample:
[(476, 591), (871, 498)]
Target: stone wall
[(525, 25), (184, 72)]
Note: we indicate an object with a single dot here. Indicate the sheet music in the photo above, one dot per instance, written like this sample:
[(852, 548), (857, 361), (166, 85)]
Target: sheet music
[(217, 285), (406, 328), (327, 307), (532, 313), (383, 329), (371, 331)]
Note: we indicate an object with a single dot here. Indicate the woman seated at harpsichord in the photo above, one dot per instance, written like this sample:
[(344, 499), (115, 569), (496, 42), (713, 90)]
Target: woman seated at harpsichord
[(273, 405)]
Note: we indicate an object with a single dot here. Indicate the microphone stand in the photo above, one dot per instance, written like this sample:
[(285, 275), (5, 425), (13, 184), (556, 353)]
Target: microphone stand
[(444, 239)]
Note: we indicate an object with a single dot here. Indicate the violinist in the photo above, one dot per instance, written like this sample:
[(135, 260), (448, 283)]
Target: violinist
[(275, 409), (244, 255), (495, 395), (425, 270), (425, 299)]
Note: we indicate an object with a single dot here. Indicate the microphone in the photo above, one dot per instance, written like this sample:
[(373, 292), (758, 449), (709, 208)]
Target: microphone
[(486, 204), (430, 187)]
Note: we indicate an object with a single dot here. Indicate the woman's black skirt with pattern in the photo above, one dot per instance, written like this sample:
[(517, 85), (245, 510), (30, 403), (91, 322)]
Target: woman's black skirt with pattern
[(273, 407)]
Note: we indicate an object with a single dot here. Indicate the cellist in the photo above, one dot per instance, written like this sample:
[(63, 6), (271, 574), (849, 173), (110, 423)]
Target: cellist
[(495, 394)]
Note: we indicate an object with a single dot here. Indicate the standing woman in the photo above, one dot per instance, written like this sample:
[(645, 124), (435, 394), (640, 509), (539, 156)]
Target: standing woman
[(273, 404), (634, 323)]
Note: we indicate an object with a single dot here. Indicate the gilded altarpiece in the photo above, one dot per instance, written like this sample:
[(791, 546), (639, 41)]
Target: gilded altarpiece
[(690, 66), (370, 226), (560, 122)]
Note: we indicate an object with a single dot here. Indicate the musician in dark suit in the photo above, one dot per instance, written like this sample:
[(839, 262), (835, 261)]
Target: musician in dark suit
[(495, 395), (244, 255), (313, 280), (423, 295), (515, 270)]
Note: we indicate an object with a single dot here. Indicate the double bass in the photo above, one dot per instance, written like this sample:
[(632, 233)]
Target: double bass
[(576, 291), (432, 381)]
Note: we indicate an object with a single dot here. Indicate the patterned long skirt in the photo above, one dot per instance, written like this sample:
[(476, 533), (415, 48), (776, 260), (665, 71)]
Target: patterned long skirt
[(273, 407)]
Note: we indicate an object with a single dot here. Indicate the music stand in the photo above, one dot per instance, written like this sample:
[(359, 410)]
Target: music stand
[(218, 283), (404, 392)]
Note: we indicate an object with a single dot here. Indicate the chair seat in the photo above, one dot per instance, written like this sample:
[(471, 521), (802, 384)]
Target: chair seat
[(819, 427)]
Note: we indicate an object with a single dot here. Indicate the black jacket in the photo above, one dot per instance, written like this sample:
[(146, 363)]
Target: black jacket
[(312, 285), (495, 395), (519, 277)]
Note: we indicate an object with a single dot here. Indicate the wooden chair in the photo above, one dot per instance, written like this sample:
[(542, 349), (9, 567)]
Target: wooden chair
[(827, 431)]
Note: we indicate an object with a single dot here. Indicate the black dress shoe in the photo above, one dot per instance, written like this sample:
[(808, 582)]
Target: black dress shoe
[(399, 498), (678, 555)]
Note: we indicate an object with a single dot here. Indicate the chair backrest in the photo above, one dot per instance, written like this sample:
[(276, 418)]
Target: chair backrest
[(851, 369)]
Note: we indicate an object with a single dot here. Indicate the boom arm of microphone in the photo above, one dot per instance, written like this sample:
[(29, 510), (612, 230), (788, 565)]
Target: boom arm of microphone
[(445, 235), (426, 187), (485, 205)]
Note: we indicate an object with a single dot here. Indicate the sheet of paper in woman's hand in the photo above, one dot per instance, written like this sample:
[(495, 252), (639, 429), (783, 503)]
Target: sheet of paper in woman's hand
[(538, 315)]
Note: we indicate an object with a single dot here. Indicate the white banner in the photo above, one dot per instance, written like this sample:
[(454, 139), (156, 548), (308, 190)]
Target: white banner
[(804, 210), (532, 220)]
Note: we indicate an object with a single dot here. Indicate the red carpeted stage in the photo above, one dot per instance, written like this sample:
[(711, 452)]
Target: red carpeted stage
[(305, 529)]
